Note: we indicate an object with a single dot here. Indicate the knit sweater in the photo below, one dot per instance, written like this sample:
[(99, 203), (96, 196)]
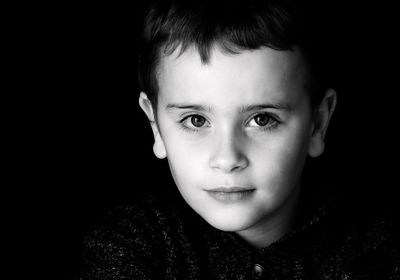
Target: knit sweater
[(153, 238)]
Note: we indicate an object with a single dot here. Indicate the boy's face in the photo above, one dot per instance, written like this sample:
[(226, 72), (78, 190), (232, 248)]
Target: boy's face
[(236, 133)]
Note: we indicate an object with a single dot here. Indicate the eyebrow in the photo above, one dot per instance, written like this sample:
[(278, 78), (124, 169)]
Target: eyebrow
[(189, 106), (243, 109), (276, 106)]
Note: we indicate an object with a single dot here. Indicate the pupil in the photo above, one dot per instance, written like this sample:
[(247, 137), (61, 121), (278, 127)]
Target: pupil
[(262, 120), (197, 121)]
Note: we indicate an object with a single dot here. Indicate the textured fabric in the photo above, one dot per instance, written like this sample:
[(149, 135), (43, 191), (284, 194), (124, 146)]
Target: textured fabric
[(153, 239)]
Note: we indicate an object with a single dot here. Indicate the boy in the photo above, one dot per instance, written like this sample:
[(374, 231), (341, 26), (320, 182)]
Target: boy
[(236, 100)]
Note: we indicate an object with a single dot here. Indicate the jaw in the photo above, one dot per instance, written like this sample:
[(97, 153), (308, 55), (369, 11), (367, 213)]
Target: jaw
[(272, 227)]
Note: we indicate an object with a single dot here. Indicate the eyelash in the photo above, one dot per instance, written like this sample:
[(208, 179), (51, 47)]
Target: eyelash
[(191, 128), (273, 119)]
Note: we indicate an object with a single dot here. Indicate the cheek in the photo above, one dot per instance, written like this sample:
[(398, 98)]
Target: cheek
[(185, 160), (185, 150), (280, 159)]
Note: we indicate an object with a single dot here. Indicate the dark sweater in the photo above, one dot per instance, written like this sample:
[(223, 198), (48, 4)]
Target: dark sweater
[(156, 239)]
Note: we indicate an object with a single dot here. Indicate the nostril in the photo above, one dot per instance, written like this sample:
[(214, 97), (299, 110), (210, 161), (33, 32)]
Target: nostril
[(228, 165), (229, 154)]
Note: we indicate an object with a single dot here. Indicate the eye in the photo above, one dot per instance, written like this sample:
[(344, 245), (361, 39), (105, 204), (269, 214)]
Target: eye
[(194, 122), (197, 121), (263, 120)]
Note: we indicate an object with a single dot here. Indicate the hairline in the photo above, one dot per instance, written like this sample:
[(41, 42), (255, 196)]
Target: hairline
[(167, 50)]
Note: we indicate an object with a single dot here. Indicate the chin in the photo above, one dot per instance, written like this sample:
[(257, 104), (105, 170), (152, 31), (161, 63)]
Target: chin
[(230, 223)]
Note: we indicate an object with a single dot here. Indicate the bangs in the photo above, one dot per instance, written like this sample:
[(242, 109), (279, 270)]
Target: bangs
[(231, 25)]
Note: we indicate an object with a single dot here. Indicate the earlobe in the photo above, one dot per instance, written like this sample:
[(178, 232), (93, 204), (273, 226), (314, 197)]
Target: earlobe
[(158, 147), (321, 120)]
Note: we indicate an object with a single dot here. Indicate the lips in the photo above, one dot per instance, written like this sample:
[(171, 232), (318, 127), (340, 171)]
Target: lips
[(231, 194), (230, 189)]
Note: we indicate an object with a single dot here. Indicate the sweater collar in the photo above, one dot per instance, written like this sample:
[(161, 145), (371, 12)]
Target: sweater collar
[(307, 218)]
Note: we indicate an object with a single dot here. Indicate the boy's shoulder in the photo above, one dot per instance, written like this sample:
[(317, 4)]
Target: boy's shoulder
[(147, 216), (344, 224), (352, 242), (136, 239)]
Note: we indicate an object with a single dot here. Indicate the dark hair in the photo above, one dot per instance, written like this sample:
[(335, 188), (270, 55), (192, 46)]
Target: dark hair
[(233, 25)]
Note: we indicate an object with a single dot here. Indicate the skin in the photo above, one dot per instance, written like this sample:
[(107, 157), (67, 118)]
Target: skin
[(242, 120)]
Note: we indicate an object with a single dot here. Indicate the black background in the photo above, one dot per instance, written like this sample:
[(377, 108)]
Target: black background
[(85, 146)]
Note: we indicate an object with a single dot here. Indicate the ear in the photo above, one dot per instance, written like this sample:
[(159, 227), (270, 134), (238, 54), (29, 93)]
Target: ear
[(158, 147), (321, 118)]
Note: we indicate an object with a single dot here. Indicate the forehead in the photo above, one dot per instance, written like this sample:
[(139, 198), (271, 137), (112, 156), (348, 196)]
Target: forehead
[(252, 76)]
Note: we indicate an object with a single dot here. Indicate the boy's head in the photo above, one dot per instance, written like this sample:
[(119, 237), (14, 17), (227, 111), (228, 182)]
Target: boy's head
[(236, 105), (233, 26)]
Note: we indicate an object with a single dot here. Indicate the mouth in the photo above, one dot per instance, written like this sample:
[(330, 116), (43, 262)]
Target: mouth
[(230, 189), (230, 194)]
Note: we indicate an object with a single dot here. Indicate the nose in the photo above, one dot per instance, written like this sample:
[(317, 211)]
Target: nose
[(228, 154)]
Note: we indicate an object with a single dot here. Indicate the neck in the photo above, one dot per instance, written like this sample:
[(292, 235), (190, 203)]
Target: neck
[(274, 226)]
